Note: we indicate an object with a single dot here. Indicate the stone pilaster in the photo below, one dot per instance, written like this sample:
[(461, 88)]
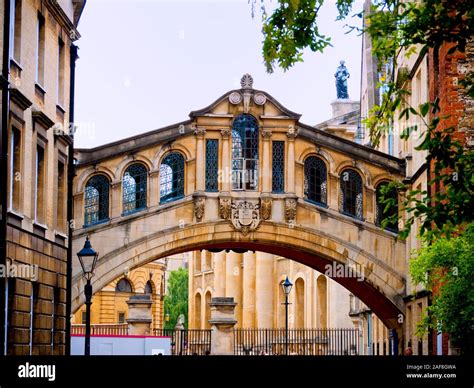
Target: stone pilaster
[(200, 162), (291, 134)]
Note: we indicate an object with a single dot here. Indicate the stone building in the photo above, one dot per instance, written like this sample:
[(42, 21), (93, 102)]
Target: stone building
[(426, 75), (254, 280), (110, 304), (36, 153)]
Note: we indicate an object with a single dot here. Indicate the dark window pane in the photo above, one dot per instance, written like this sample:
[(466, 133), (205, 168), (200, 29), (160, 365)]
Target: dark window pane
[(351, 193), (172, 177), (212, 165), (278, 166), (96, 205), (315, 180), (134, 188)]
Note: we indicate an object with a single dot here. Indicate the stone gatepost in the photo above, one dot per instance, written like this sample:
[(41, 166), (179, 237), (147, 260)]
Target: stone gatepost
[(222, 323), (139, 314)]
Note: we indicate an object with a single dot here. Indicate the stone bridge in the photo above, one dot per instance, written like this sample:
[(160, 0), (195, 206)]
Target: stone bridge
[(242, 174)]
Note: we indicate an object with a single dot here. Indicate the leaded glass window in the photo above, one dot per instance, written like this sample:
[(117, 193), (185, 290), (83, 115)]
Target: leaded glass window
[(245, 153), (96, 201), (212, 165), (315, 180), (134, 188), (123, 285), (172, 177), (278, 166), (392, 209), (350, 200)]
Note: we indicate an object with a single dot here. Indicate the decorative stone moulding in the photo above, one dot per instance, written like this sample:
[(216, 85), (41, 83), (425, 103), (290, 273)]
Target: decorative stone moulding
[(199, 207), (246, 82), (235, 98), (266, 208), (259, 99)]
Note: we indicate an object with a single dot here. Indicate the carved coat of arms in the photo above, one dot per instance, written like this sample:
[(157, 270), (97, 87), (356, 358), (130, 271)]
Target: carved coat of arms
[(245, 215)]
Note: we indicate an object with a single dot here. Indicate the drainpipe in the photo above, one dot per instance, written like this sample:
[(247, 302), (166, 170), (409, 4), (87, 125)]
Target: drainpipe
[(70, 199), (4, 168)]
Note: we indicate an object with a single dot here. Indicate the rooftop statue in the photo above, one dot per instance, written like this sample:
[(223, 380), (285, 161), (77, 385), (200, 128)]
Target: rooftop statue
[(341, 81)]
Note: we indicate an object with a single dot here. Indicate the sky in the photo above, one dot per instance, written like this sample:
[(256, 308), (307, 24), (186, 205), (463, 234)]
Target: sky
[(145, 64)]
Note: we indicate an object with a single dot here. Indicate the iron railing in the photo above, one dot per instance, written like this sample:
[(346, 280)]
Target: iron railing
[(101, 329), (310, 342), (187, 342)]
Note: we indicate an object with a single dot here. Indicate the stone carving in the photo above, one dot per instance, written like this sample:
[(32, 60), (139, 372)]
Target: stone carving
[(265, 208), (199, 207), (342, 74), (290, 210), (247, 102), (259, 99), (246, 82), (245, 216), (225, 132), (180, 322), (200, 131), (224, 208), (235, 98), (292, 131), (266, 133)]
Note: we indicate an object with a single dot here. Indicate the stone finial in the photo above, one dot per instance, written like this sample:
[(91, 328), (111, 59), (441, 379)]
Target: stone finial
[(246, 82)]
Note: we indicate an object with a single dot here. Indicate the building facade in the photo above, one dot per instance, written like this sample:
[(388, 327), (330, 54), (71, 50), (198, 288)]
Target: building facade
[(254, 280), (110, 304), (37, 108), (426, 75)]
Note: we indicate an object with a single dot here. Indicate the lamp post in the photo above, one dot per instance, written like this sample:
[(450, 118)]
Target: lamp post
[(88, 259), (286, 285)]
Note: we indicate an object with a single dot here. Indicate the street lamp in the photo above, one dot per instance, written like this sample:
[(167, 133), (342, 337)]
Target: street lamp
[(88, 259), (286, 285)]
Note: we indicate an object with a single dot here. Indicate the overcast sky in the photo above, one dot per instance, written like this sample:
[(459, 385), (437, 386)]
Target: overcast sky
[(145, 64)]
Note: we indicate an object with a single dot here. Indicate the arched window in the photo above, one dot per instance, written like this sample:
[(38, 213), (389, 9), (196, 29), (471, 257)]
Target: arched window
[(245, 153), (315, 180), (172, 177), (123, 285), (392, 208), (134, 185), (351, 193), (148, 287), (96, 201)]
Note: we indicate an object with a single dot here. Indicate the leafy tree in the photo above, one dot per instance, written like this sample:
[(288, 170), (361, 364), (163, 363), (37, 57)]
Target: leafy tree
[(400, 28), (395, 27), (450, 265), (176, 300)]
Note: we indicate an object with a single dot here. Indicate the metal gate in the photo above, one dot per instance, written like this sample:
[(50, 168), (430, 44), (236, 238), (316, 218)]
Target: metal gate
[(311, 342), (187, 342)]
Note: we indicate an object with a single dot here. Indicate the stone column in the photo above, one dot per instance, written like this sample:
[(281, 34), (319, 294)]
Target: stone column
[(266, 173), (139, 314), (291, 134), (222, 323), (200, 156), (226, 170), (248, 299), (219, 273), (264, 287), (233, 281)]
